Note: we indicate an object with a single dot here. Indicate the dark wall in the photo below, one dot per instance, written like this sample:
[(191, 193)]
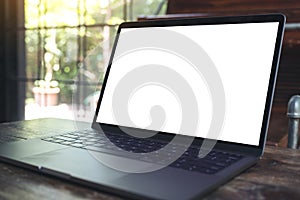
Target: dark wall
[(12, 60), (2, 60)]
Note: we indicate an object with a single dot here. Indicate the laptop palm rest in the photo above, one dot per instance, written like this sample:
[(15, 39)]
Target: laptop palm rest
[(21, 149), (79, 164)]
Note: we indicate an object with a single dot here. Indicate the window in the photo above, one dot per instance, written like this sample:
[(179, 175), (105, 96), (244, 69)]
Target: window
[(68, 44)]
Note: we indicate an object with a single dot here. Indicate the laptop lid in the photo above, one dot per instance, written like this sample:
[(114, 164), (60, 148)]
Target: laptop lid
[(207, 78)]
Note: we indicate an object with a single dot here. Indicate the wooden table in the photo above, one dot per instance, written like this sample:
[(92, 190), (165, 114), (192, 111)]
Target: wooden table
[(275, 176)]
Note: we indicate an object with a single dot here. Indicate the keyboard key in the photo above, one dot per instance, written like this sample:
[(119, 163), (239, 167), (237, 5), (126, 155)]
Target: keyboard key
[(64, 138), (79, 145)]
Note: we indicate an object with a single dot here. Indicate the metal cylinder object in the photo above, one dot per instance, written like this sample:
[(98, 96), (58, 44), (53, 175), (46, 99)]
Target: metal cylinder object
[(293, 113)]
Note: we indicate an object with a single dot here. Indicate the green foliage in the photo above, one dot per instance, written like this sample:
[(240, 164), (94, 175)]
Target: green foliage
[(74, 52)]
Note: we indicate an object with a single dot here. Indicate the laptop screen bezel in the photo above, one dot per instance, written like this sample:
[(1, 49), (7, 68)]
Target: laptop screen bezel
[(245, 148)]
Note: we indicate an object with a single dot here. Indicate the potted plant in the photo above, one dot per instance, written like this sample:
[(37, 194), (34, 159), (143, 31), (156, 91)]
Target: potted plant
[(46, 92)]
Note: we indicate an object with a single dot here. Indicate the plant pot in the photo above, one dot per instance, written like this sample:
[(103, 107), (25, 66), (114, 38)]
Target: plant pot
[(46, 96)]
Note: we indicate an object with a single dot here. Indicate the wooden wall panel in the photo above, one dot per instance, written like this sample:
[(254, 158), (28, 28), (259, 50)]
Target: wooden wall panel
[(291, 8)]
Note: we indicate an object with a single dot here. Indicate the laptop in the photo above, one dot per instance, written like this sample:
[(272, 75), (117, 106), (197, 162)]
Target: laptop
[(184, 108)]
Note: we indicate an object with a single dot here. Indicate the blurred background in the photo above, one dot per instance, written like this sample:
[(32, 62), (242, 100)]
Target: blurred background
[(53, 53), (63, 47)]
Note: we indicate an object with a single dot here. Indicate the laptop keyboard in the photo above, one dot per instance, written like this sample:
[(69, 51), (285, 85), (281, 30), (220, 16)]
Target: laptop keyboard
[(212, 163), (8, 138)]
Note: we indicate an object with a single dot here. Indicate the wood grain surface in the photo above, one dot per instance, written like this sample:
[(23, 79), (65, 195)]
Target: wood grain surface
[(275, 176)]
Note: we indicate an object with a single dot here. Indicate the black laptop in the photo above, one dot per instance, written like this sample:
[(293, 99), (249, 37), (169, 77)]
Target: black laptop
[(184, 107)]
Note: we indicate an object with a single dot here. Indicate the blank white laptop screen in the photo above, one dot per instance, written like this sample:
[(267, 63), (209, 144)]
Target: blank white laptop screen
[(242, 55)]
